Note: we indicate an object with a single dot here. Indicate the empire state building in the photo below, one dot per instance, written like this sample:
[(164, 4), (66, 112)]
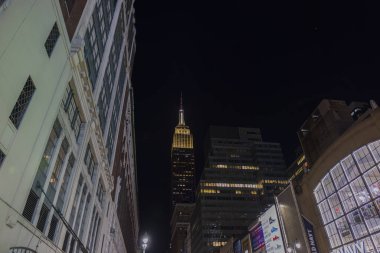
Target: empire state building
[(182, 158)]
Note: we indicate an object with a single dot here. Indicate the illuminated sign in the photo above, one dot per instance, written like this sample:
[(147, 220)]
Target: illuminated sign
[(272, 233)]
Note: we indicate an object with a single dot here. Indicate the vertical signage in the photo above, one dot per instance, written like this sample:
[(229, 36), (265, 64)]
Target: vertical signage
[(257, 239), (272, 233), (309, 230)]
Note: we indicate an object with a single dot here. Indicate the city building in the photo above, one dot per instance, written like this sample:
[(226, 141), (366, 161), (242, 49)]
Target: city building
[(182, 185), (65, 103), (182, 163), (337, 206), (325, 124), (233, 188)]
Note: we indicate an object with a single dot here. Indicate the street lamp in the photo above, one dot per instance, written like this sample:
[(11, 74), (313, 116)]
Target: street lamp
[(145, 241), (296, 245)]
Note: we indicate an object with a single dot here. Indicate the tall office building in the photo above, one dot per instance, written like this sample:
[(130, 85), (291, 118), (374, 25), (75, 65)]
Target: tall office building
[(65, 101), (234, 189), (182, 185), (182, 161)]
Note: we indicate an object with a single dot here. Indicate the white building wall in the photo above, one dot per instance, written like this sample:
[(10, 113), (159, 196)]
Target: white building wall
[(24, 27)]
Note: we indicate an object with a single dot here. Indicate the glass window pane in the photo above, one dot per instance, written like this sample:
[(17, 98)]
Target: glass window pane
[(325, 212), (328, 185), (371, 217), (357, 224), (344, 230), (360, 191), (332, 234), (347, 198), (374, 147), (376, 240), (372, 178), (338, 176), (319, 193), (368, 245), (335, 205), (364, 159), (350, 168)]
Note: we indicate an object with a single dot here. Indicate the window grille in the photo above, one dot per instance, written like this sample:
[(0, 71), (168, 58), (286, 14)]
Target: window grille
[(53, 227), (30, 205), (43, 217), (22, 103), (52, 39), (21, 249), (2, 157)]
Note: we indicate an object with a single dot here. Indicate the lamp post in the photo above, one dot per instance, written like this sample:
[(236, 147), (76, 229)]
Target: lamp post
[(145, 241), (296, 245)]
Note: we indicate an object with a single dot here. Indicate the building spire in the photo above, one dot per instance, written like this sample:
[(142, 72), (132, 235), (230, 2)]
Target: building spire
[(181, 114)]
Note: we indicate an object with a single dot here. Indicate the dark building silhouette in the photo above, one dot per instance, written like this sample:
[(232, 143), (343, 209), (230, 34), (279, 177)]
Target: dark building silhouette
[(241, 176)]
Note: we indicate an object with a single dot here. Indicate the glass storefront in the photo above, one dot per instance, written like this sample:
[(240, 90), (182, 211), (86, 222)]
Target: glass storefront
[(348, 199)]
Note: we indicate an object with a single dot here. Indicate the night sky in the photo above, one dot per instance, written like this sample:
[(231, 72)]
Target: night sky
[(263, 64)]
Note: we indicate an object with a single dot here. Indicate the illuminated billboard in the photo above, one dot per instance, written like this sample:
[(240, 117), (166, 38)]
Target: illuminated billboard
[(272, 233), (257, 239)]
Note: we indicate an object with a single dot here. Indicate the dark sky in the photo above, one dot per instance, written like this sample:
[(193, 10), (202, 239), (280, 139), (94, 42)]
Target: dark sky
[(249, 63)]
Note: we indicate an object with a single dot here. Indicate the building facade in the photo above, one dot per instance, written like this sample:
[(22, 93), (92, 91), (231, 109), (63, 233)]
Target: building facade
[(65, 70), (182, 163), (336, 207), (182, 185), (233, 189)]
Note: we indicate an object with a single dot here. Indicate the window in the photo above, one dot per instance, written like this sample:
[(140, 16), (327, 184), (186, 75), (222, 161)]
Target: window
[(350, 168), (357, 224), (41, 175), (71, 108), (347, 198), (90, 162), (360, 191), (319, 193), (375, 150), (325, 212), (364, 159), (372, 178), (22, 103), (100, 192), (52, 39), (65, 183), (371, 217), (335, 205), (333, 235), (328, 185), (2, 157), (338, 176), (344, 230)]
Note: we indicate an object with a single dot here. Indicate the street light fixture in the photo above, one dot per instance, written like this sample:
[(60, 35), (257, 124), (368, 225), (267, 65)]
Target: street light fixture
[(145, 241), (296, 245)]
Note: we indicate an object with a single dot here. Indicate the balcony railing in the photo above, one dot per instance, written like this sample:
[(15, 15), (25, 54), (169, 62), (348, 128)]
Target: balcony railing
[(21, 249)]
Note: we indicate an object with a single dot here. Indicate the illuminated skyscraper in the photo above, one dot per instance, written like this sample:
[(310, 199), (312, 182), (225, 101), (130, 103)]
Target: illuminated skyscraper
[(183, 172), (182, 185)]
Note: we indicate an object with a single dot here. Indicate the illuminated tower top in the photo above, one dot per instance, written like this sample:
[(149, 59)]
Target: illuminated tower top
[(182, 137)]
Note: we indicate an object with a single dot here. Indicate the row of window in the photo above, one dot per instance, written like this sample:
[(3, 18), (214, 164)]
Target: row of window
[(72, 109), (348, 197), (96, 36), (48, 197)]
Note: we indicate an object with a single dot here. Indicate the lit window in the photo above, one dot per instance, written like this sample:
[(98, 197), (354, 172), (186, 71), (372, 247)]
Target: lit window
[(364, 159)]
